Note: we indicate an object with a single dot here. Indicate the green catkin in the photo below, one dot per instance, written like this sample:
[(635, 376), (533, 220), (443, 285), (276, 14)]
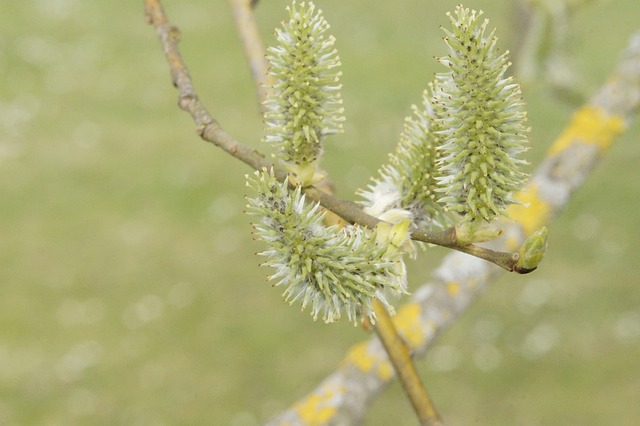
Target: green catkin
[(405, 186), (332, 271), (480, 122), (305, 104)]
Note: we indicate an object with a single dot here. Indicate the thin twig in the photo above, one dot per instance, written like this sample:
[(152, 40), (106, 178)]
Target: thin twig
[(252, 46), (400, 357)]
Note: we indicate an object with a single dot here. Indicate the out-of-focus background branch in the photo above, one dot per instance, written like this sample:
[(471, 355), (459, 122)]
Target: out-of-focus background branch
[(128, 295)]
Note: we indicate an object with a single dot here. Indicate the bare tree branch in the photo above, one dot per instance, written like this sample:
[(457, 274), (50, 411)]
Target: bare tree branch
[(343, 397)]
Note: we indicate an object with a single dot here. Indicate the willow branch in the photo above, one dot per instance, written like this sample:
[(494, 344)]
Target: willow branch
[(211, 131), (343, 397), (252, 45)]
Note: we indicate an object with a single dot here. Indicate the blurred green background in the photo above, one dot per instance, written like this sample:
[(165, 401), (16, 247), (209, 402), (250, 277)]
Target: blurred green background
[(129, 292)]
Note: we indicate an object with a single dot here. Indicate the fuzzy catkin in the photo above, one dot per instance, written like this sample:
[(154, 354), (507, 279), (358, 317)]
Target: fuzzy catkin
[(305, 104), (333, 271), (406, 185), (479, 118)]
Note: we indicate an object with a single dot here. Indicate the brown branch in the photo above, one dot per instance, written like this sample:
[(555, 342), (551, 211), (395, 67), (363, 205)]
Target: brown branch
[(211, 131), (206, 126)]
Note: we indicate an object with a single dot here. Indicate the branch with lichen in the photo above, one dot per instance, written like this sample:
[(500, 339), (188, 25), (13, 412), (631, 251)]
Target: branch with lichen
[(344, 396)]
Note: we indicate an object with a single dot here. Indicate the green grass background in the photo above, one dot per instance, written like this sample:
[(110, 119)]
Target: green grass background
[(129, 292)]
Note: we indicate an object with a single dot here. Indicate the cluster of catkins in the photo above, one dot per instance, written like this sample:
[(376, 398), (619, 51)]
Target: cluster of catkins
[(457, 164)]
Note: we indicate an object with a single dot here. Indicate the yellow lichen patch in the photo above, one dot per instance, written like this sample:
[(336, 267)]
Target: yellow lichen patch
[(512, 243), (589, 125), (360, 357), (385, 371), (318, 408), (533, 212), (408, 324), (453, 288)]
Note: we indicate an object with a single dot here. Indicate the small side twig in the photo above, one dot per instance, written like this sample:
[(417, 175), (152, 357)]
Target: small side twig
[(252, 46), (402, 361)]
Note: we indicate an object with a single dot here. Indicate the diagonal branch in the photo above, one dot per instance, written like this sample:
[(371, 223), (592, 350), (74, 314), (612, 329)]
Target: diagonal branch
[(344, 396), (211, 131)]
